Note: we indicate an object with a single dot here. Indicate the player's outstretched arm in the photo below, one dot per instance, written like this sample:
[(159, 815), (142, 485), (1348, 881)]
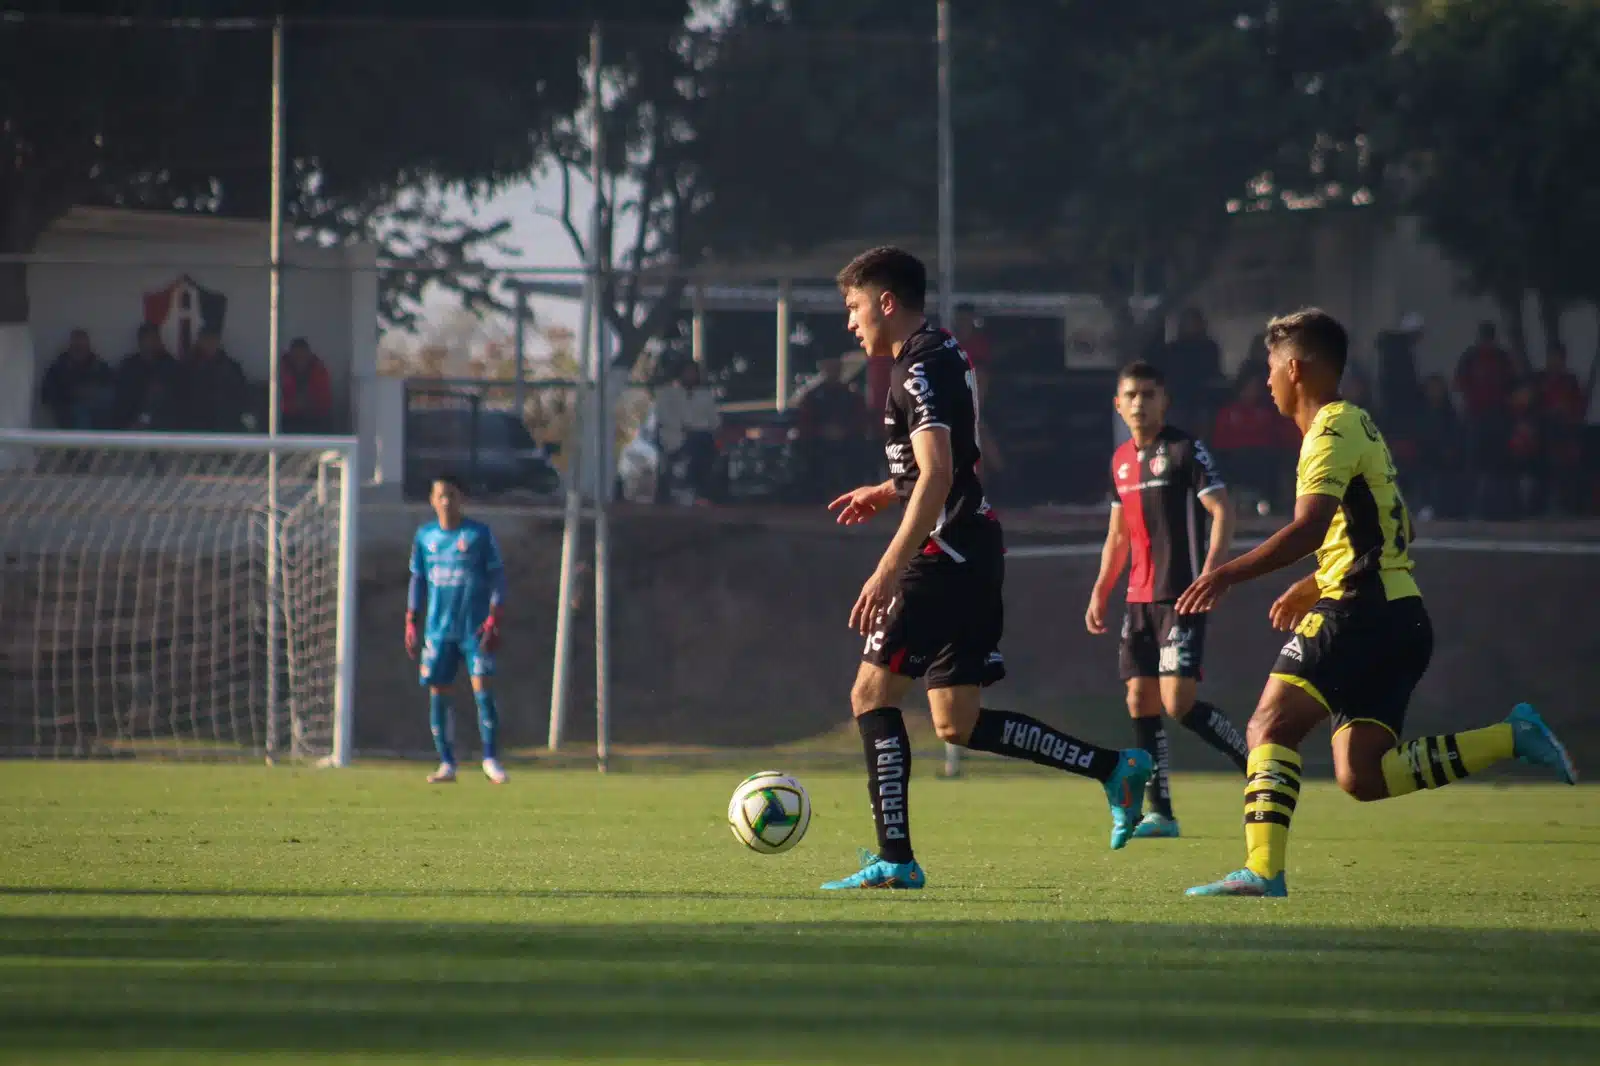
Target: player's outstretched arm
[(1302, 536), (859, 505), (1113, 557)]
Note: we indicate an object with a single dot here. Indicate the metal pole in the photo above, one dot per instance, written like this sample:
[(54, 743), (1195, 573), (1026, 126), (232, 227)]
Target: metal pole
[(274, 345), (780, 398), (520, 388), (697, 327), (599, 259), (572, 528), (947, 238)]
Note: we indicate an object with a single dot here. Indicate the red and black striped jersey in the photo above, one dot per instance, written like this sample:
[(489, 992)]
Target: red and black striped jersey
[(1158, 488)]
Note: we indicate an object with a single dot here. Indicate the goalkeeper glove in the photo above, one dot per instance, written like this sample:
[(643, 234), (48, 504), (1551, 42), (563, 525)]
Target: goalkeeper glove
[(412, 640), (489, 632)]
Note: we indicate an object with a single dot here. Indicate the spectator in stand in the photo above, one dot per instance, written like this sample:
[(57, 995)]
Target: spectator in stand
[(1191, 363), (1254, 442), (1440, 454), (77, 388), (687, 419), (214, 395), (1398, 383), (1255, 361), (1485, 375), (305, 391), (1356, 387), (831, 437), (1527, 449), (1562, 401), (146, 385)]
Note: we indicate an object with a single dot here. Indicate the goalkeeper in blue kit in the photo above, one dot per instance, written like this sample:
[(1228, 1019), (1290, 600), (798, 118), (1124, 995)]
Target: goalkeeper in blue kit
[(456, 568)]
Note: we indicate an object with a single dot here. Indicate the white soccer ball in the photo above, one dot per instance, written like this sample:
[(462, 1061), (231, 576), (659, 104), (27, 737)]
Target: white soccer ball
[(769, 812)]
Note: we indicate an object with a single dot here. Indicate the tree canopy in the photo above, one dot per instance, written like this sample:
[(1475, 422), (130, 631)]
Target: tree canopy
[(148, 112), (1501, 115)]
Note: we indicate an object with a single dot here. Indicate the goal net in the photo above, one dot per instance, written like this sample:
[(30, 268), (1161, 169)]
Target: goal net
[(156, 599)]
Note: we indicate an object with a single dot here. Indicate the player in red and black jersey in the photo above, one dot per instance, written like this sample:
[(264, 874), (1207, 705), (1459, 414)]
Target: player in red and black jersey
[(933, 607), (1164, 484)]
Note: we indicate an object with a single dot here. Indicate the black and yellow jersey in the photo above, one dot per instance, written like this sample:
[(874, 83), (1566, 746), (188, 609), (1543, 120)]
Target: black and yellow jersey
[(1365, 551)]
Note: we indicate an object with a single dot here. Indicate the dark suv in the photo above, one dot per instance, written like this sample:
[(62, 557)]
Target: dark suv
[(492, 451)]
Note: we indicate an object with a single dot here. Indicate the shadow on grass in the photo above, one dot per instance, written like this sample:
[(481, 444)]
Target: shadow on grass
[(809, 992)]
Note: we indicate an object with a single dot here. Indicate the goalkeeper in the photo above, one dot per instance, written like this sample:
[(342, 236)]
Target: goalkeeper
[(456, 567)]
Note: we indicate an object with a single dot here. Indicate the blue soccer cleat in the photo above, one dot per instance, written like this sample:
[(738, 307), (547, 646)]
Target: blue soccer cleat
[(1125, 792), (1244, 883), (875, 873), (1535, 744), (1156, 827)]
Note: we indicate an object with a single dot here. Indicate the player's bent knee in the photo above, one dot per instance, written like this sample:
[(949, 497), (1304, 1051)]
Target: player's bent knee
[(1144, 698), (954, 711), (1362, 783)]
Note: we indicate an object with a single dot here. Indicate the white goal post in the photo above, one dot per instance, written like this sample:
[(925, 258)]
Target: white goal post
[(180, 595)]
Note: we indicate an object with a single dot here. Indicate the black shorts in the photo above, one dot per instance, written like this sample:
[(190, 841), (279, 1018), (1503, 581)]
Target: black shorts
[(945, 622), (1360, 660), (1159, 642)]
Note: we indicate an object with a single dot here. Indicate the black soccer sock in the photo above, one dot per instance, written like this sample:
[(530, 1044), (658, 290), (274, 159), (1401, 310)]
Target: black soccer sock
[(1212, 726), (1151, 735), (888, 751), (1021, 737)]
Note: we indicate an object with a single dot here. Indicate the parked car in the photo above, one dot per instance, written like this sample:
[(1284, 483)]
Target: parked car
[(756, 459), (491, 450)]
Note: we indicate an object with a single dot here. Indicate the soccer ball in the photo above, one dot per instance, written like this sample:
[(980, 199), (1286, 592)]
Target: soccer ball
[(769, 812)]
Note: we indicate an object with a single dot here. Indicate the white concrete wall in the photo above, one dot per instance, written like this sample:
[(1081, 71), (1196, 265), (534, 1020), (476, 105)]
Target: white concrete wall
[(17, 387)]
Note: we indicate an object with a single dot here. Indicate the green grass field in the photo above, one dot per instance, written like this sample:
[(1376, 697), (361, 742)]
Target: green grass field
[(182, 914)]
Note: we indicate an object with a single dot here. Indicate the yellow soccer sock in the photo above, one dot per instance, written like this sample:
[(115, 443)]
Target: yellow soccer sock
[(1272, 788), (1434, 762)]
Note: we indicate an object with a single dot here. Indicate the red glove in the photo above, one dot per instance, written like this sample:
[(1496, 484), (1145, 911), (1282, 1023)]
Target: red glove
[(413, 642), (489, 632)]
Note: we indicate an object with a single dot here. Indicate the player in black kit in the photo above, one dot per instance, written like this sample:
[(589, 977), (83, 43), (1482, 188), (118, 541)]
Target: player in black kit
[(933, 608), (1163, 484)]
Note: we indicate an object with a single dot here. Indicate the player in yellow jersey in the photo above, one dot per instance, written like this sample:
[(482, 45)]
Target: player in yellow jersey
[(1362, 638)]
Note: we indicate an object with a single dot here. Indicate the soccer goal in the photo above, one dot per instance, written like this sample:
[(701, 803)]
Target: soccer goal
[(177, 595)]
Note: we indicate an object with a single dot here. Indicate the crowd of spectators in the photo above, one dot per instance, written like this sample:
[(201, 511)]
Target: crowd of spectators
[(204, 390), (1499, 439)]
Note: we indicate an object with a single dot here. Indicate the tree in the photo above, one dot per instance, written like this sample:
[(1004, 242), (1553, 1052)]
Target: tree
[(1502, 116), (153, 114), (1110, 139)]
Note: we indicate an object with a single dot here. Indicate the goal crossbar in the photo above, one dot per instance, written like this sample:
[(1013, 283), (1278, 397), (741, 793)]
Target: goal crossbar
[(55, 514)]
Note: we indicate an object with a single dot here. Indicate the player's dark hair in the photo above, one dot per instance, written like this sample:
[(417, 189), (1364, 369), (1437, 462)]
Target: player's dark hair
[(453, 480), (1139, 370), (894, 270), (1313, 334)]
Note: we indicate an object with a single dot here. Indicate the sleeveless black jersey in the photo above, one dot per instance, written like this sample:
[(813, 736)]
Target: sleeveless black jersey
[(932, 386)]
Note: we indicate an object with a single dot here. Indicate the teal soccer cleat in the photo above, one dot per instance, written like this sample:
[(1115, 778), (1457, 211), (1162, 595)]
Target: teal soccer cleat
[(1125, 793), (1535, 744), (875, 873), (1244, 883), (1156, 827)]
